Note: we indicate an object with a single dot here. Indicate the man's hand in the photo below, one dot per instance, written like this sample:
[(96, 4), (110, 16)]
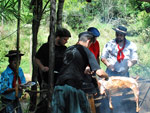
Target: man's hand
[(45, 69), (111, 67), (88, 71), (102, 73), (130, 63)]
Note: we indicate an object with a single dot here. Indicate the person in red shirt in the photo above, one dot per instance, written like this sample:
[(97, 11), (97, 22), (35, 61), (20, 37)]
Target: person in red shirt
[(94, 47)]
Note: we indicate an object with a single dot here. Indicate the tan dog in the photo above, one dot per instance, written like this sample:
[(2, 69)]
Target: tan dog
[(116, 82)]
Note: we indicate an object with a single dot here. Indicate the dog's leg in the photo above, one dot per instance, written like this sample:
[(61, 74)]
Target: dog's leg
[(136, 94), (110, 100)]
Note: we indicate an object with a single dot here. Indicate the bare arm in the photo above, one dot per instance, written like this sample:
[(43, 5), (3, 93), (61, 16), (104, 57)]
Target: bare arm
[(101, 73), (111, 67), (131, 63), (104, 60), (41, 66)]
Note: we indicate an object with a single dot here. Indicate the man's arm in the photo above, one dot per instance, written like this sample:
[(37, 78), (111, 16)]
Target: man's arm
[(98, 60), (41, 66), (131, 63), (101, 73), (105, 61)]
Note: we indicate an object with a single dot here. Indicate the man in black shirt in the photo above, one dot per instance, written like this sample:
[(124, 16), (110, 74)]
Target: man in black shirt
[(42, 56), (68, 96)]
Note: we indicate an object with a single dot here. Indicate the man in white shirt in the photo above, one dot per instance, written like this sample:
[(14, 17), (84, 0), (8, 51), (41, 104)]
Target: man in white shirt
[(119, 54)]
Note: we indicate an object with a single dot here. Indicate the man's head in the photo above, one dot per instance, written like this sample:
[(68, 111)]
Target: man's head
[(86, 38), (121, 32), (12, 55), (62, 36)]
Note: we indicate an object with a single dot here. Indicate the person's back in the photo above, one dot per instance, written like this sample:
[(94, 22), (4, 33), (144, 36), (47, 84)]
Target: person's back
[(73, 66), (68, 96)]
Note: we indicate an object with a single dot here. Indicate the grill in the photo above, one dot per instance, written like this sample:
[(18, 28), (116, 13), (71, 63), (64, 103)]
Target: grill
[(126, 103)]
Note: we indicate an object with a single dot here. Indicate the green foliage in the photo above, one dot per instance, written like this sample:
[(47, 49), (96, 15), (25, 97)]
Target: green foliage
[(26, 14), (77, 15), (8, 9), (9, 43), (144, 18), (145, 35)]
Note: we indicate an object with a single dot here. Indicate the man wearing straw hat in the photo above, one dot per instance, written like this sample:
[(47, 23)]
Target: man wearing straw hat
[(8, 83), (119, 54)]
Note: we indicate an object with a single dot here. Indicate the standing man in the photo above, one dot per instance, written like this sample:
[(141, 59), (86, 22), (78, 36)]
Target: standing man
[(8, 84), (68, 96), (119, 54), (42, 56), (94, 47), (42, 60)]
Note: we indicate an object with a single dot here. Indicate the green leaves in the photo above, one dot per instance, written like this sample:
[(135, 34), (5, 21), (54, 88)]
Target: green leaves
[(8, 9)]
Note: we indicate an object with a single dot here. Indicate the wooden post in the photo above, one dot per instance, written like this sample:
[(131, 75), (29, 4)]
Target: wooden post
[(51, 52), (59, 13), (17, 45), (91, 102)]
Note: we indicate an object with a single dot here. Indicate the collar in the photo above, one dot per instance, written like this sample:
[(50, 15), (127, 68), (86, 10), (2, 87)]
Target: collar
[(9, 70)]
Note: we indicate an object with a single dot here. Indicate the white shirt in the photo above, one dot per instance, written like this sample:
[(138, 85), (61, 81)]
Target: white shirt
[(110, 52)]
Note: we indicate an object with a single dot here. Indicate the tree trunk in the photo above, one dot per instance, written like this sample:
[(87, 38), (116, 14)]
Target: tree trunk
[(59, 13), (17, 46), (37, 13), (51, 52)]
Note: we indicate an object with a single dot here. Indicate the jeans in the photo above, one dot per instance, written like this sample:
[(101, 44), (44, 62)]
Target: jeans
[(11, 106)]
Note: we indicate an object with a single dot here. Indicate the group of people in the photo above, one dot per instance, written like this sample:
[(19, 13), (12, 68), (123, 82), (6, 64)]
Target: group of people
[(76, 67)]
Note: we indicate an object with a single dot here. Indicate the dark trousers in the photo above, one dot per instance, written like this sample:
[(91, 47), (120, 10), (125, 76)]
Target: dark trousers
[(10, 106), (97, 101)]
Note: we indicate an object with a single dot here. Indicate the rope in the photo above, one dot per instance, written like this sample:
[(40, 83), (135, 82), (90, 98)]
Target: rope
[(141, 103)]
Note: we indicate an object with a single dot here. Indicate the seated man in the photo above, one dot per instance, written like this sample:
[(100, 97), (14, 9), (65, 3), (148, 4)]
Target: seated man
[(11, 79)]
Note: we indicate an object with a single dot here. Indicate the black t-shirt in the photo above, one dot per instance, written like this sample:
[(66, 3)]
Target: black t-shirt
[(74, 65), (43, 55)]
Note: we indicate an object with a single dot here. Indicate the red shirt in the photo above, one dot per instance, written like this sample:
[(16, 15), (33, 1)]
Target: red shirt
[(95, 49)]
